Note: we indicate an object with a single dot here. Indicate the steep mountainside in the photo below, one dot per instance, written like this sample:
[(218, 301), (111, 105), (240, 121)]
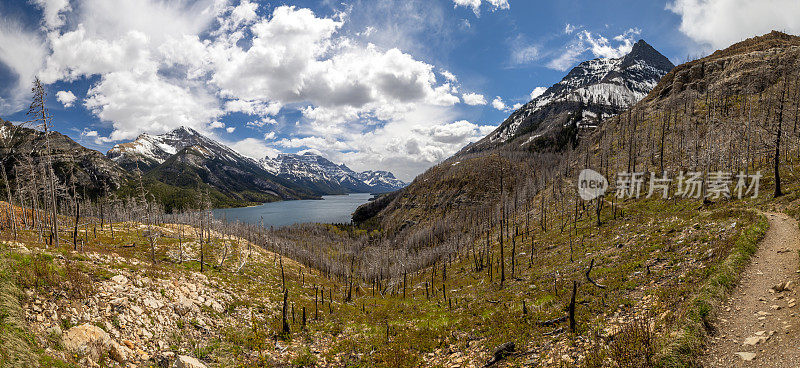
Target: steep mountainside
[(92, 171), (589, 93), (149, 151), (322, 176)]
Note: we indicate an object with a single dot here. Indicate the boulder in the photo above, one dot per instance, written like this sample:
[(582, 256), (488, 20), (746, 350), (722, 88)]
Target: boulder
[(185, 361), (87, 340), (120, 279), (120, 353)]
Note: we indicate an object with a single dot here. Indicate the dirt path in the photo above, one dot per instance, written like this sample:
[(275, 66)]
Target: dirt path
[(757, 327)]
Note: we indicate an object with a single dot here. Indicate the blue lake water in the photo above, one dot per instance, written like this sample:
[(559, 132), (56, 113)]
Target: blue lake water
[(331, 209)]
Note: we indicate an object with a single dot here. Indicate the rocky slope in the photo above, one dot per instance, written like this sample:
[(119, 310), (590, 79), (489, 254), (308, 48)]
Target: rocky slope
[(324, 177)]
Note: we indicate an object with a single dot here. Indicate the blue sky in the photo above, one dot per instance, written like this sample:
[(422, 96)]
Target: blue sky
[(376, 84)]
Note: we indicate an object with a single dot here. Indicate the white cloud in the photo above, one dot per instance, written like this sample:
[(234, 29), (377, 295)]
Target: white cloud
[(22, 51), (135, 102), (230, 129), (525, 54), (474, 99), (719, 23), (523, 51), (569, 28), (538, 91), (52, 10), (254, 148), (499, 4), (516, 106), (599, 45), (269, 136), (89, 133), (216, 125), (476, 5), (67, 98), (254, 107), (498, 104), (449, 76)]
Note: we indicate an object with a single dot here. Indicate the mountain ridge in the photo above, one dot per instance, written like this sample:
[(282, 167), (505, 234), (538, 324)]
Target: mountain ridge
[(594, 89), (315, 171)]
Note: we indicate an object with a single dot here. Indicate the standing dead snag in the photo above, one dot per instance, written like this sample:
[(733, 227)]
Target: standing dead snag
[(592, 281), (572, 306), (285, 321)]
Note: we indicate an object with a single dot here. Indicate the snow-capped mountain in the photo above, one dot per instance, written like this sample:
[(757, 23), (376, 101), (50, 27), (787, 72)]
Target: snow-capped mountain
[(590, 92), (184, 158), (323, 176), (150, 151), (383, 181)]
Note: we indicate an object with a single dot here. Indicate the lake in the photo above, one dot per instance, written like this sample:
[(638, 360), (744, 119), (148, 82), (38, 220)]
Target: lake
[(331, 209)]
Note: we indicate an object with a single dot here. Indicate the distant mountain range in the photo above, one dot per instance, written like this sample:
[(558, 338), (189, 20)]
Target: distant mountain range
[(323, 176), (185, 158)]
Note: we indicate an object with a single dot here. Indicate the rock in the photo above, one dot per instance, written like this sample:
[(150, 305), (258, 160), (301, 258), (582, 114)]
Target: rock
[(217, 307), (128, 343), (747, 357), (120, 353), (183, 306), (754, 340), (55, 331), (185, 361), (775, 307), (784, 286), (136, 309), (151, 303), (87, 340), (120, 279)]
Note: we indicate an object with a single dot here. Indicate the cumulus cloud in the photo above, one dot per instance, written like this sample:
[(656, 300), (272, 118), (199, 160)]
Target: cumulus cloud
[(538, 91), (156, 65), (254, 148), (498, 104), (136, 102), (22, 51), (719, 23), (67, 98), (474, 99)]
